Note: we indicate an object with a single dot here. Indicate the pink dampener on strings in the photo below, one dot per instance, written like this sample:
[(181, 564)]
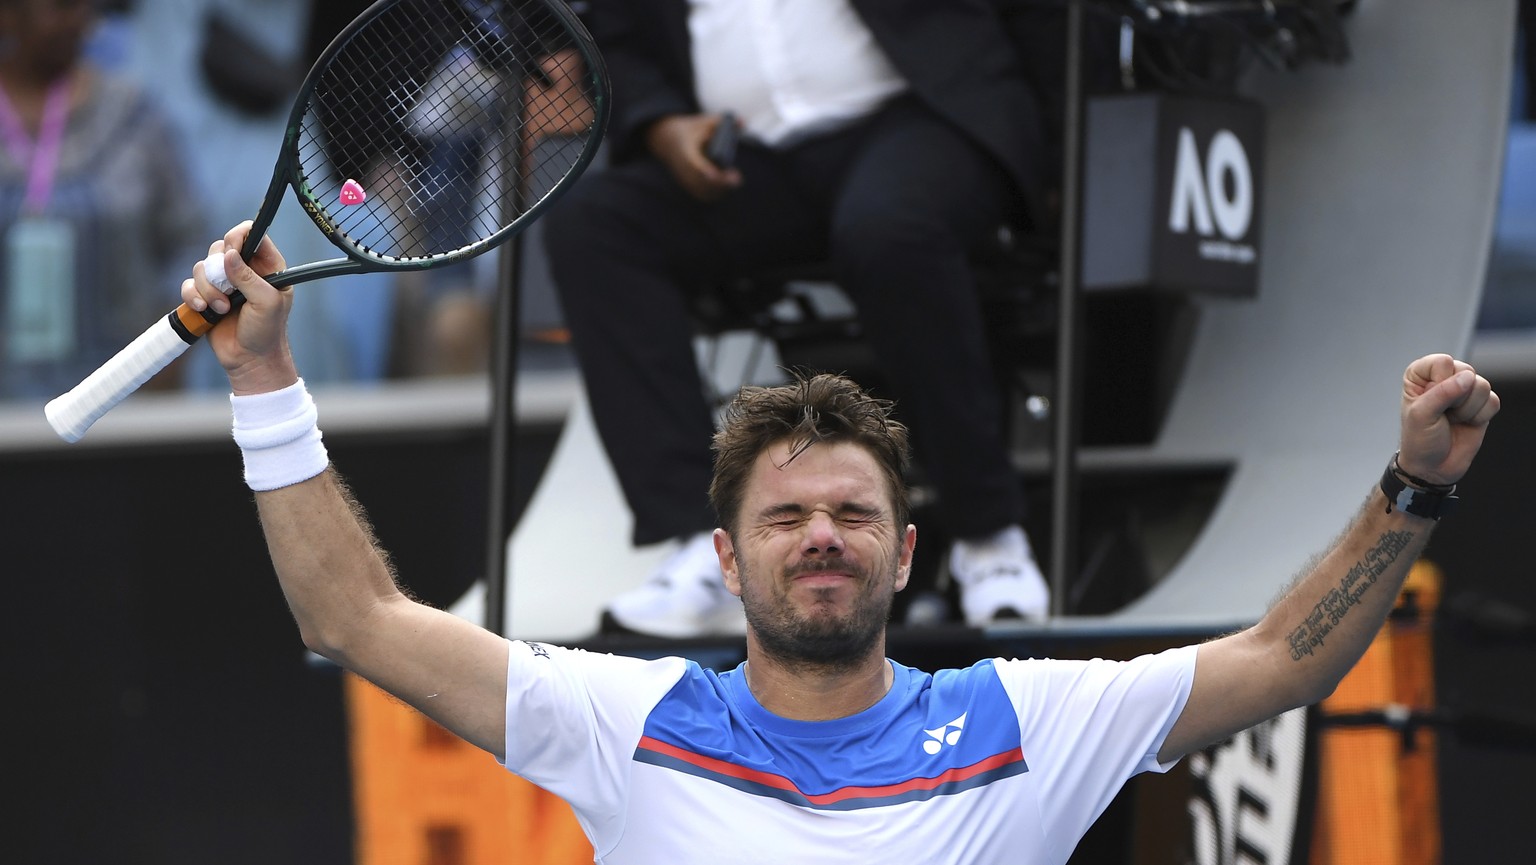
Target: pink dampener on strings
[(352, 193)]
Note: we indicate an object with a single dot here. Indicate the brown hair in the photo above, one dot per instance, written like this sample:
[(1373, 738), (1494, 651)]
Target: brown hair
[(812, 408)]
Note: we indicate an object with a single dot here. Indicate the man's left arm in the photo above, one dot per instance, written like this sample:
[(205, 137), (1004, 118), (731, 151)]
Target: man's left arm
[(1298, 653)]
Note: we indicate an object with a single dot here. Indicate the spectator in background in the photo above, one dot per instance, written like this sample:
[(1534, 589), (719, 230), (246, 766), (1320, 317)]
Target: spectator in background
[(97, 215), (884, 138)]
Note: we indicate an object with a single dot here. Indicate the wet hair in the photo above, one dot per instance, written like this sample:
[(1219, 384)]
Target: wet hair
[(811, 409)]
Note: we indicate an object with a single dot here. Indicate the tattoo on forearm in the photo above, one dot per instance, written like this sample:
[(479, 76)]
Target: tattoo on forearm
[(1337, 603)]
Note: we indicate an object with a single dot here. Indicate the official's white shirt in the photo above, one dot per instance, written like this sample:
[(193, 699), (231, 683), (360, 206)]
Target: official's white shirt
[(1004, 761), (787, 68)]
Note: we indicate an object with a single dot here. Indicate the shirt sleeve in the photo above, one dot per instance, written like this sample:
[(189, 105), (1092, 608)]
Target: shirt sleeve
[(1089, 726), (573, 720)]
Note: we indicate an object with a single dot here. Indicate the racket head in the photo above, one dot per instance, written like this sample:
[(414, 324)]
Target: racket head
[(412, 139)]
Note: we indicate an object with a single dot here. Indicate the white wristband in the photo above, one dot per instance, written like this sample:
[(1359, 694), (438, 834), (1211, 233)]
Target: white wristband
[(278, 436)]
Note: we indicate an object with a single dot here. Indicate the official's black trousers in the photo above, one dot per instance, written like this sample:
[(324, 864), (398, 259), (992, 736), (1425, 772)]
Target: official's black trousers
[(893, 203)]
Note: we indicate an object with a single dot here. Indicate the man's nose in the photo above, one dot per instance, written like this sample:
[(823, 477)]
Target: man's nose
[(822, 535)]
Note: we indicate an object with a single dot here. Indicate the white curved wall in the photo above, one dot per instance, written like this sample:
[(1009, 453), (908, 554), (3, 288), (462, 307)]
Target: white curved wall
[(1382, 179)]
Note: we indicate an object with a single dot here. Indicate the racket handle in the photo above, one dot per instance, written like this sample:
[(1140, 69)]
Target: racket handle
[(71, 414)]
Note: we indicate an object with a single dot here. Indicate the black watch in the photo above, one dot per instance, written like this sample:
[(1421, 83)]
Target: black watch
[(1411, 500)]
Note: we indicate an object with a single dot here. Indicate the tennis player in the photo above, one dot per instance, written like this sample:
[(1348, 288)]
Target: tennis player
[(817, 748)]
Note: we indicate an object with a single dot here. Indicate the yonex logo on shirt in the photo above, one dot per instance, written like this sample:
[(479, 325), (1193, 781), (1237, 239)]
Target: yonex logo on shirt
[(948, 734)]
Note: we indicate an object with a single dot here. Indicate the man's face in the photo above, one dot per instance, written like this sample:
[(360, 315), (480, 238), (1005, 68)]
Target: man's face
[(817, 556), (48, 34)]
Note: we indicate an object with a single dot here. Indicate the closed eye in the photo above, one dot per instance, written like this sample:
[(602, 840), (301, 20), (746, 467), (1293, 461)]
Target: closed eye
[(789, 516)]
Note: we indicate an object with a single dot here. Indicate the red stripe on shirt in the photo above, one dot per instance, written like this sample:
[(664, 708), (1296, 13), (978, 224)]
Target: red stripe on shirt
[(780, 782)]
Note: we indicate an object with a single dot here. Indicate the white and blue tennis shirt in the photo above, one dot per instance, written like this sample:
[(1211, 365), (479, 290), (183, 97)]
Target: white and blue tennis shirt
[(1004, 761)]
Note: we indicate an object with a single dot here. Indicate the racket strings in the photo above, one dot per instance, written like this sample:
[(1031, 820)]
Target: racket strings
[(426, 134)]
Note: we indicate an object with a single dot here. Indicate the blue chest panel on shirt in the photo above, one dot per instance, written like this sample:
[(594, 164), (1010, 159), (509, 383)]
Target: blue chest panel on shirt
[(932, 735)]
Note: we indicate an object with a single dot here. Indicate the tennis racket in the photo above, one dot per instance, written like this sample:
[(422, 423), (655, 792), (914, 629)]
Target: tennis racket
[(409, 145)]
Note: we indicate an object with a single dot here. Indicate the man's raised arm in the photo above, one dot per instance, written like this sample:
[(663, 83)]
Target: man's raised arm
[(1297, 654), (337, 581)]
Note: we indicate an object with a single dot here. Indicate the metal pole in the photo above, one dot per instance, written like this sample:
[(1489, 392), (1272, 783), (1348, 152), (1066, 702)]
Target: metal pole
[(503, 427), (504, 356), (1066, 414)]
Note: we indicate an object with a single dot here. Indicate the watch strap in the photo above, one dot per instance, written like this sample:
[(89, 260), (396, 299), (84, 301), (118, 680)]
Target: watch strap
[(1431, 503)]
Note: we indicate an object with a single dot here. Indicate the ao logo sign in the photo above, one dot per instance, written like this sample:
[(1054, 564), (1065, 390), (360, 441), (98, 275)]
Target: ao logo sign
[(1202, 196)]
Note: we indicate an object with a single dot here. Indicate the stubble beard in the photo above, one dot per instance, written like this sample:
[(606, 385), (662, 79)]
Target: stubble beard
[(818, 641)]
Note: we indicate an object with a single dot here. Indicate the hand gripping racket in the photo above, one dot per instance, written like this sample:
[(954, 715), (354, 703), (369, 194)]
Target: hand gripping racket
[(409, 145)]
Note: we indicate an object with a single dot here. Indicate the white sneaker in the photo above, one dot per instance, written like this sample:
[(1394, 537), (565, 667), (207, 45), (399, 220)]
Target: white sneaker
[(998, 578), (684, 597)]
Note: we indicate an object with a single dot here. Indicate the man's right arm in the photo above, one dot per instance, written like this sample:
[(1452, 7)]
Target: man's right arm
[(680, 141), (648, 74), (337, 581), (655, 110), (349, 609)]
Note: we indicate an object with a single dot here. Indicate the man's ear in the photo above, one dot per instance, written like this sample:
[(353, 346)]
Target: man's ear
[(726, 551), (904, 563)]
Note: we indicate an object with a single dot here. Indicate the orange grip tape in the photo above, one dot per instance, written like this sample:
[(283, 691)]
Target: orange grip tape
[(193, 320)]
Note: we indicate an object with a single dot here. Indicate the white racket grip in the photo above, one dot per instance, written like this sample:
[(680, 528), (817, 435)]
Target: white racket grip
[(71, 414)]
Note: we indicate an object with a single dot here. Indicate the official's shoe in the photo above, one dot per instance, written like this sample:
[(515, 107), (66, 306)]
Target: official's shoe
[(684, 597), (998, 579)]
